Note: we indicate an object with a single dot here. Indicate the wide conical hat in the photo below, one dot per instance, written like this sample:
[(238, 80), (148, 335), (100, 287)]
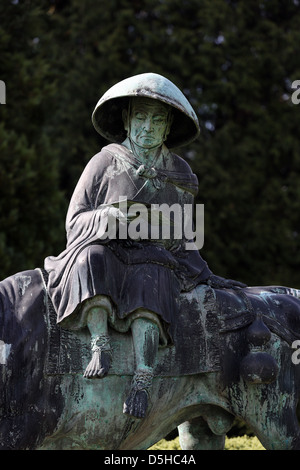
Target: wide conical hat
[(107, 116)]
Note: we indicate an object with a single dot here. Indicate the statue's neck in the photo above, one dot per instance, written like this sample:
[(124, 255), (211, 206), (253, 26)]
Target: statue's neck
[(147, 157)]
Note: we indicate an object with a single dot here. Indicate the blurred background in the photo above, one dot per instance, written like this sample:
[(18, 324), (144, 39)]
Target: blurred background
[(234, 60)]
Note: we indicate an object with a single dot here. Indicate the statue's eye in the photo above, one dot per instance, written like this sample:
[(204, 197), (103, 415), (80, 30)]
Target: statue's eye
[(140, 116), (159, 119)]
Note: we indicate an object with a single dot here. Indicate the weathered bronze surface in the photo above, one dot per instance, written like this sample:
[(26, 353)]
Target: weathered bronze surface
[(130, 282), (47, 403), (120, 339)]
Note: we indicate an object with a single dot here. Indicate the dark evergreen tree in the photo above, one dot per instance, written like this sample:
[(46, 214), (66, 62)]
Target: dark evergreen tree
[(31, 203), (235, 61)]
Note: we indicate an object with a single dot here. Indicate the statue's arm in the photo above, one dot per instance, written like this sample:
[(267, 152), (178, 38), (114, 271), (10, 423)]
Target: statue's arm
[(87, 213)]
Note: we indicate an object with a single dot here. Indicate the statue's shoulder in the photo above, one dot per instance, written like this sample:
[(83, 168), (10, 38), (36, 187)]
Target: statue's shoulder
[(108, 152), (179, 164), (113, 149), (104, 157)]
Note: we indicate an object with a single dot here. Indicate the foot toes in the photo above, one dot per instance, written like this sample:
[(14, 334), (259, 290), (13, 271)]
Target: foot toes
[(98, 366), (136, 404)]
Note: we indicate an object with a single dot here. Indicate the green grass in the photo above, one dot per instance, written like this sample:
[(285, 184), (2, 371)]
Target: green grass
[(233, 443)]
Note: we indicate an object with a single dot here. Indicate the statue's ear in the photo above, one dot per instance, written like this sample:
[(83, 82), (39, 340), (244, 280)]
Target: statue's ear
[(125, 119), (169, 125)]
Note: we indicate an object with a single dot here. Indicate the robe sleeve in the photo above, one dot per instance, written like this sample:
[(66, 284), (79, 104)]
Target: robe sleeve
[(86, 221), (191, 261), (88, 214)]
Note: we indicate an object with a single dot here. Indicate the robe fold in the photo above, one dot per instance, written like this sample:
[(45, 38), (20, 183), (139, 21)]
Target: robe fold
[(148, 274)]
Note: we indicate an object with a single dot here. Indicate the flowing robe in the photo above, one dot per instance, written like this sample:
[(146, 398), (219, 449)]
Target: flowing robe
[(147, 274)]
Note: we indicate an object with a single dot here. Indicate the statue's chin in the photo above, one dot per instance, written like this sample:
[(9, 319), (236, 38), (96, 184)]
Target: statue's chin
[(147, 145)]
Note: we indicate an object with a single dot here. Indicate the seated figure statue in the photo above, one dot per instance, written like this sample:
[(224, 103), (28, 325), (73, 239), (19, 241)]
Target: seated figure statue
[(104, 279)]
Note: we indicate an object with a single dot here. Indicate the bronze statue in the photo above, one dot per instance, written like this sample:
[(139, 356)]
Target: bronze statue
[(156, 318), (130, 284)]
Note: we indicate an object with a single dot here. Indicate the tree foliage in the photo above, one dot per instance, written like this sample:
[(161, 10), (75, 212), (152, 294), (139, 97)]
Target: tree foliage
[(234, 60)]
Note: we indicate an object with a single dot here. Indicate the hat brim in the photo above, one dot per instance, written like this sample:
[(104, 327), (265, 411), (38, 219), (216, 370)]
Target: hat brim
[(107, 116), (107, 120)]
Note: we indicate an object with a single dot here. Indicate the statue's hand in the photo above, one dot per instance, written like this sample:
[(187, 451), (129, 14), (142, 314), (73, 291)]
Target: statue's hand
[(113, 215), (221, 283), (116, 213), (122, 217)]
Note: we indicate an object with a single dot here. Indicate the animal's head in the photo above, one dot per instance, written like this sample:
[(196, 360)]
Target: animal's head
[(258, 366)]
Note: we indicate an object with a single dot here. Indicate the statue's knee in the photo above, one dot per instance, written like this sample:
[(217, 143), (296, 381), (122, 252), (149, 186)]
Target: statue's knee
[(145, 318), (104, 303), (97, 310)]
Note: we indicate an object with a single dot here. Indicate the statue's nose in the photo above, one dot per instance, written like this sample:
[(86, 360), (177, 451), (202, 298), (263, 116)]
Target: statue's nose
[(148, 125)]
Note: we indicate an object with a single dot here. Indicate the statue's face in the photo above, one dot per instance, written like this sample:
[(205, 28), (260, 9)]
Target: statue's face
[(149, 123)]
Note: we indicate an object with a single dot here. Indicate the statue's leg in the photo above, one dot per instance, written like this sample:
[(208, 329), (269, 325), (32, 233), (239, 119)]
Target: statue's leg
[(196, 435), (145, 336), (97, 321)]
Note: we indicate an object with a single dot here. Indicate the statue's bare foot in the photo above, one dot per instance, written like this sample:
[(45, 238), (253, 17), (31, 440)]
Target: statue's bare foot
[(137, 402), (101, 358), (99, 366)]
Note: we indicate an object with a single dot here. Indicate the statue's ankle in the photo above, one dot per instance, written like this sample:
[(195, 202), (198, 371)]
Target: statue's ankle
[(142, 379), (101, 342)]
